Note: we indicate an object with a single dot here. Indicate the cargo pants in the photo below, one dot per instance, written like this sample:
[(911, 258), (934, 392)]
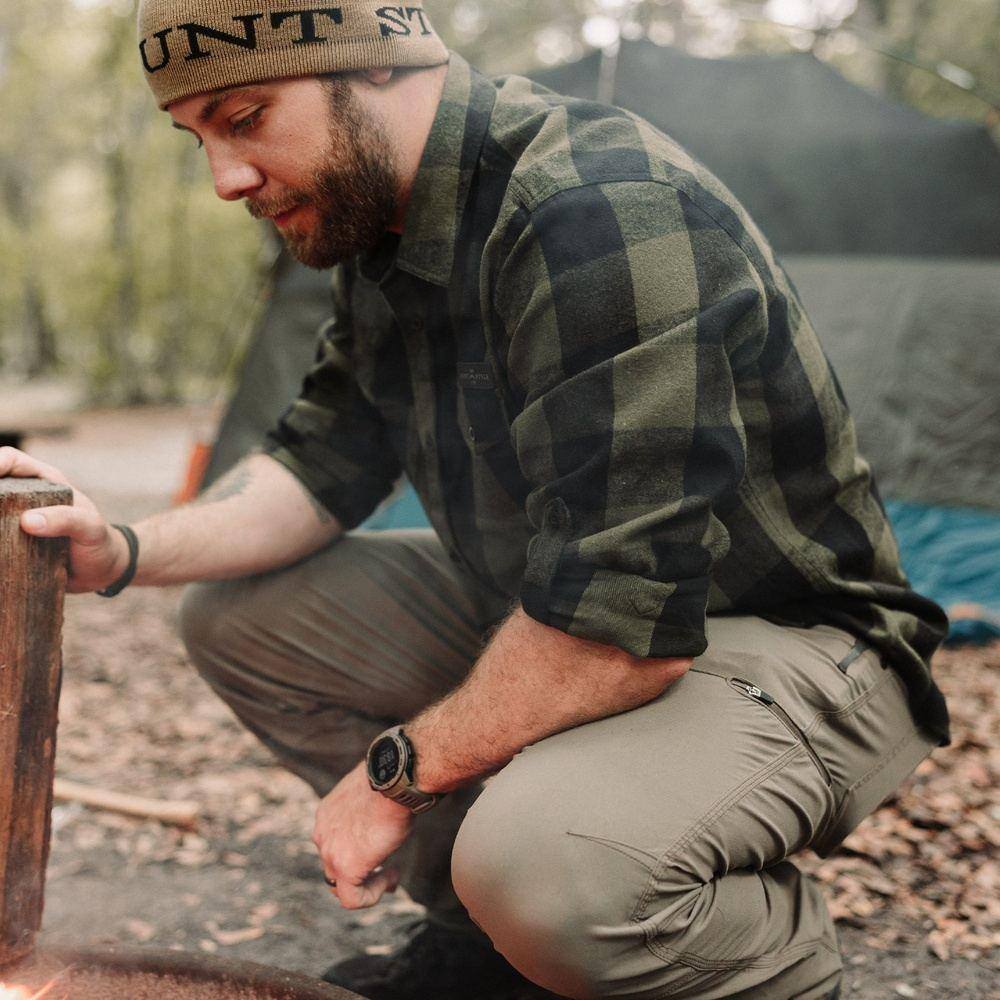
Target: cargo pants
[(644, 855)]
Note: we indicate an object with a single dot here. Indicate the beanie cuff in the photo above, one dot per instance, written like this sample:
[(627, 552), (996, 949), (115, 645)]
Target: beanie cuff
[(191, 47)]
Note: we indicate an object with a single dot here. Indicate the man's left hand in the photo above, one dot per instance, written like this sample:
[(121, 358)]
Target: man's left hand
[(356, 830)]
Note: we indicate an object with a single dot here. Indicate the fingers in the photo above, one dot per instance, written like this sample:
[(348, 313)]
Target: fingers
[(359, 894), (16, 463), (86, 527)]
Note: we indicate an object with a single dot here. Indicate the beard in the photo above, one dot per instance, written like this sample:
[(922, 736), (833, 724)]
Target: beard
[(354, 195)]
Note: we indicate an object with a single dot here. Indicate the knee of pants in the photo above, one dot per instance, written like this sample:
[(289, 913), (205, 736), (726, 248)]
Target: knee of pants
[(555, 904), (207, 625), (228, 631)]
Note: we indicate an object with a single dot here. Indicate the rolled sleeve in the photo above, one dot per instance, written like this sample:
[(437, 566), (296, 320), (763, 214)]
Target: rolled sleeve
[(625, 305), (331, 437)]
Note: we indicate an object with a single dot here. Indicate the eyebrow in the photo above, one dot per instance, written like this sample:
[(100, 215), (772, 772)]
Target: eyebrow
[(215, 102)]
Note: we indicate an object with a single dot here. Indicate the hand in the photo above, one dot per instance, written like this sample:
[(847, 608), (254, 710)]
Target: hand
[(356, 830), (98, 555)]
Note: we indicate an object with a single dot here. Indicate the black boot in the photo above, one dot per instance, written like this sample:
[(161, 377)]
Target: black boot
[(436, 963)]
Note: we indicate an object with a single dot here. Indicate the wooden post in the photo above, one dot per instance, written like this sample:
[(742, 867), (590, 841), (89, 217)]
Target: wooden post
[(32, 584)]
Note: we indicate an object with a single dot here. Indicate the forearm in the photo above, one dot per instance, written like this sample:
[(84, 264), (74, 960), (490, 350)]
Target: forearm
[(532, 681), (258, 517)]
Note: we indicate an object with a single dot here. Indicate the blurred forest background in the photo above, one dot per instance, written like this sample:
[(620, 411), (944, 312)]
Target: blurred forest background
[(123, 272)]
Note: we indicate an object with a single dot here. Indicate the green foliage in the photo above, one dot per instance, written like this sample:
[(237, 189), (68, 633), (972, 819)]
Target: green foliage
[(111, 211), (120, 263)]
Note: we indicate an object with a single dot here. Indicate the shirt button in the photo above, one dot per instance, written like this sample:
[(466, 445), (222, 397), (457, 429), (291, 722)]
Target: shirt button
[(472, 433)]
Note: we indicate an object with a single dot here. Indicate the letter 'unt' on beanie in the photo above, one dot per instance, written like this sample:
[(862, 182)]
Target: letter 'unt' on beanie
[(194, 46)]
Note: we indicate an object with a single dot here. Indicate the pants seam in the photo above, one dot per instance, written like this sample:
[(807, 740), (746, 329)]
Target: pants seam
[(849, 709), (717, 810), (640, 857), (765, 961), (911, 737)]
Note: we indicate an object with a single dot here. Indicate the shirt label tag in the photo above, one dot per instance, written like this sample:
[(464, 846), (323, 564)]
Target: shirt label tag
[(475, 375)]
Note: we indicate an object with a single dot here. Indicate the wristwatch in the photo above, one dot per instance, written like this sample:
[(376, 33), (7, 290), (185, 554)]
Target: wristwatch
[(390, 771)]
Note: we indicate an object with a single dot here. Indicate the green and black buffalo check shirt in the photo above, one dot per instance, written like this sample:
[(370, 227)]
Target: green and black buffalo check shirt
[(604, 389)]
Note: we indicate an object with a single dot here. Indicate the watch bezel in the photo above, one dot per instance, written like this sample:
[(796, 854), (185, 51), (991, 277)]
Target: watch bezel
[(403, 752), (400, 788)]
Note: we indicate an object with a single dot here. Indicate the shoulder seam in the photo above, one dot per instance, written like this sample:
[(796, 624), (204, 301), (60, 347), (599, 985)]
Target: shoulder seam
[(530, 204)]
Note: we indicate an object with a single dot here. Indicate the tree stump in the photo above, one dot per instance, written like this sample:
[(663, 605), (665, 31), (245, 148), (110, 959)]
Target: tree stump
[(32, 584)]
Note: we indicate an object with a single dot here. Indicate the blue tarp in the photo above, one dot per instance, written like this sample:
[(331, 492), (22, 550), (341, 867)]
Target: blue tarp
[(401, 510), (952, 555)]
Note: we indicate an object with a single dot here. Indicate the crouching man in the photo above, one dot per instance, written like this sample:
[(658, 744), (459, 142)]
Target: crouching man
[(660, 605)]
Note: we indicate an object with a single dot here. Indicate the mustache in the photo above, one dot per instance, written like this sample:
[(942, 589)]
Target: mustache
[(268, 208)]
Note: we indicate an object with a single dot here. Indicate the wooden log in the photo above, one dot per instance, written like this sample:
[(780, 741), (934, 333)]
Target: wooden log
[(32, 584), (178, 812)]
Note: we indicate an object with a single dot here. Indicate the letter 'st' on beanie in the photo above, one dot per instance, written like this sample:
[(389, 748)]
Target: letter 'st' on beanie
[(194, 46)]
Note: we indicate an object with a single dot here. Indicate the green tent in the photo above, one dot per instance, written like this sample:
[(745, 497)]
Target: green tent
[(887, 220), (823, 166)]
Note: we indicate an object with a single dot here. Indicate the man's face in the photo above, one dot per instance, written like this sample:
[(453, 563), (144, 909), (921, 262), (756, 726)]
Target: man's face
[(304, 153)]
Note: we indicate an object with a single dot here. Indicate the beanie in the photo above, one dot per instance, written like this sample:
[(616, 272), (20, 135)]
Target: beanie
[(193, 46)]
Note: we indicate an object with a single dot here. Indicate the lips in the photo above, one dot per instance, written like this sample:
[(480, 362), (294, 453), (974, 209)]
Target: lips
[(278, 216), (281, 218)]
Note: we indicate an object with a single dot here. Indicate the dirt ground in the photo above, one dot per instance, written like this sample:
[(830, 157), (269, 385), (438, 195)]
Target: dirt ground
[(915, 890)]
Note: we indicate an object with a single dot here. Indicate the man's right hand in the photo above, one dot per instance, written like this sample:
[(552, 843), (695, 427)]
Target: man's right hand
[(98, 555)]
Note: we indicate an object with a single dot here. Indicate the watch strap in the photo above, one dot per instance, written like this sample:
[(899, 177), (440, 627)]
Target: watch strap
[(414, 799), (133, 561)]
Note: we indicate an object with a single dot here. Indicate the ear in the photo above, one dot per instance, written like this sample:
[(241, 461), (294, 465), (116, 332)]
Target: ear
[(378, 77)]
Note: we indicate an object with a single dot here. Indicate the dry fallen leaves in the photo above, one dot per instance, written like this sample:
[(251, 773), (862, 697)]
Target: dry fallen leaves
[(926, 859), (930, 853)]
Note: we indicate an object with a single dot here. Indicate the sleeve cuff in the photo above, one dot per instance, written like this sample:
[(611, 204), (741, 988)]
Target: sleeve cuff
[(646, 618), (342, 500)]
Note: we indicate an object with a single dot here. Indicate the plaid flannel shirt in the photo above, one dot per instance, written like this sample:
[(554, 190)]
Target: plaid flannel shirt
[(604, 390)]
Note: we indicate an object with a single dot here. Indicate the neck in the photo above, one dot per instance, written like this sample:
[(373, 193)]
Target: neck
[(406, 104)]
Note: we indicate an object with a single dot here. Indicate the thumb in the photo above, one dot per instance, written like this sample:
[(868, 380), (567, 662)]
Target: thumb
[(370, 891), (82, 526)]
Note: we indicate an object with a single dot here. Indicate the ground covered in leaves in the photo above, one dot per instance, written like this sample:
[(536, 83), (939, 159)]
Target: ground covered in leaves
[(915, 890)]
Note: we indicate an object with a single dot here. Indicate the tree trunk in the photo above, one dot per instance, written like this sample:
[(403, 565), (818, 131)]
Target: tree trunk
[(41, 335), (117, 358), (172, 350)]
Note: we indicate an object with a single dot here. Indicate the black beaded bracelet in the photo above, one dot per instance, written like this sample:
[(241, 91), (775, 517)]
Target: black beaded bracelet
[(133, 561)]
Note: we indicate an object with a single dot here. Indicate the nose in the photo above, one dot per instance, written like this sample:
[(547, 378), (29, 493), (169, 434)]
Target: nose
[(234, 177)]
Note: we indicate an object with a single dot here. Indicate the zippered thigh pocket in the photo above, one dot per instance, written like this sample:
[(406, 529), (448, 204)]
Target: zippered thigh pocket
[(754, 693)]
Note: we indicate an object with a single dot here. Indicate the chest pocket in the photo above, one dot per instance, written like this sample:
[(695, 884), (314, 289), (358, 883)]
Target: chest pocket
[(484, 426)]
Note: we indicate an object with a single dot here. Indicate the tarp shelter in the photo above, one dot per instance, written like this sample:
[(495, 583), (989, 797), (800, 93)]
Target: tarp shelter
[(824, 166), (888, 222)]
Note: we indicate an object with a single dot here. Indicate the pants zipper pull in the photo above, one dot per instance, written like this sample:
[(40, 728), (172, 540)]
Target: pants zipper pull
[(756, 693)]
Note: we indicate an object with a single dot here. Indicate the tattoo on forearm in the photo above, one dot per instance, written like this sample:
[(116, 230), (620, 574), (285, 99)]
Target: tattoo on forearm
[(230, 485)]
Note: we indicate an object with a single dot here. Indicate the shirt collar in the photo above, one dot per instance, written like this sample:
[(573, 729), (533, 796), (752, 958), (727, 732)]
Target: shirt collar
[(449, 161)]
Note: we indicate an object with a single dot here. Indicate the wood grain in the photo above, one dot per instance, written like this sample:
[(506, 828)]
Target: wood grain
[(32, 584)]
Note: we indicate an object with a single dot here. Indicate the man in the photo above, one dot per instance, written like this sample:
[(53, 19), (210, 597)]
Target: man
[(702, 655)]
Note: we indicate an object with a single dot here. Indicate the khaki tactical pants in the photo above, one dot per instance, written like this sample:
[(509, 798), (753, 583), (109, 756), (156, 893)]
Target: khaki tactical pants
[(640, 856)]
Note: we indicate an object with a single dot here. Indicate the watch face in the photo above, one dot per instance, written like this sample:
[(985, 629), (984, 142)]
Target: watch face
[(384, 761)]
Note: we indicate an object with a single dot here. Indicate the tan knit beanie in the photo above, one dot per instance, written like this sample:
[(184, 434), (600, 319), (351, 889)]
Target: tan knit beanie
[(193, 46)]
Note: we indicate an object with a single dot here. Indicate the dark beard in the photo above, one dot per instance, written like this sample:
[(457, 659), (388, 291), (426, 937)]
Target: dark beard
[(355, 197)]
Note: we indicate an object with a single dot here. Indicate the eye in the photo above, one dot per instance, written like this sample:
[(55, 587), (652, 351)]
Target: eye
[(240, 126)]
